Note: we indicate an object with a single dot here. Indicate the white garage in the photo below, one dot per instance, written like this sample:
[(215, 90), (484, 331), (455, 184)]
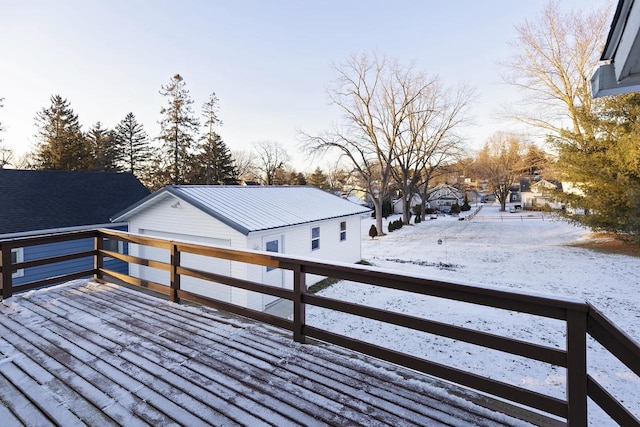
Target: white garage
[(303, 221)]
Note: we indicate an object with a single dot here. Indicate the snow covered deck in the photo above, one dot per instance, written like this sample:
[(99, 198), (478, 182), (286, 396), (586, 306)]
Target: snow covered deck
[(101, 354)]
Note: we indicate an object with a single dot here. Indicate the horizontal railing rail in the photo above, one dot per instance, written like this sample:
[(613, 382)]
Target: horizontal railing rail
[(581, 318), (7, 268)]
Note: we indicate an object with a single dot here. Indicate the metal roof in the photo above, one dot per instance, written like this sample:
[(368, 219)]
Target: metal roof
[(252, 208)]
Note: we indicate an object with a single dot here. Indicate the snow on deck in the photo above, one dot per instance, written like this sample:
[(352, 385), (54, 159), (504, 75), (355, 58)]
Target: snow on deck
[(101, 354)]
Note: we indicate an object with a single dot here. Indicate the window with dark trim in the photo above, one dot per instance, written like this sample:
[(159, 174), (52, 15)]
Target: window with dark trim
[(343, 231), (272, 246), (315, 238)]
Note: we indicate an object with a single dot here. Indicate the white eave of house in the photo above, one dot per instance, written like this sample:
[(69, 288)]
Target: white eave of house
[(254, 208), (620, 71)]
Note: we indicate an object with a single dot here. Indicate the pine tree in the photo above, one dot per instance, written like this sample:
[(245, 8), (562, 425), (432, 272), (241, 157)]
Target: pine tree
[(319, 179), (213, 164), (105, 150), (134, 144), (62, 145), (606, 168), (178, 128)]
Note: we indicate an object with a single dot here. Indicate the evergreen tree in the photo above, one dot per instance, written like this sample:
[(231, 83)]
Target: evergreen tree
[(319, 179), (156, 174), (178, 128), (297, 178), (62, 145), (134, 143), (213, 164), (105, 150), (606, 167)]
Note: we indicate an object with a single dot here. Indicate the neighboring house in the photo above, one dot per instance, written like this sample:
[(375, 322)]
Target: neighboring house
[(355, 199), (540, 194), (398, 205), (442, 196), (301, 221), (40, 202), (620, 72)]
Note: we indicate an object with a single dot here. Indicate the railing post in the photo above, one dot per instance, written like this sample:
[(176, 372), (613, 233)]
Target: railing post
[(7, 271), (299, 312), (175, 277), (577, 368), (98, 259)]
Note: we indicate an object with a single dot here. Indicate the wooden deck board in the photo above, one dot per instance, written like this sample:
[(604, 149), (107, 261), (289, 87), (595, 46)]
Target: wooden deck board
[(100, 354)]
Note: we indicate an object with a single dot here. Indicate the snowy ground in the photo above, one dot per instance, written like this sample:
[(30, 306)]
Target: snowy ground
[(507, 251)]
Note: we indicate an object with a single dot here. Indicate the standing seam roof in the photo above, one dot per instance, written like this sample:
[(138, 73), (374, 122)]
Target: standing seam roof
[(249, 208)]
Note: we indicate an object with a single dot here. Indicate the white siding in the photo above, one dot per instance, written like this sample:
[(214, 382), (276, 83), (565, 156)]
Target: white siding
[(186, 222), (297, 241)]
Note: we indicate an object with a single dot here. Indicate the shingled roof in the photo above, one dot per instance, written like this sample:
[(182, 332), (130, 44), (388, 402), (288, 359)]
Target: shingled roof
[(44, 200)]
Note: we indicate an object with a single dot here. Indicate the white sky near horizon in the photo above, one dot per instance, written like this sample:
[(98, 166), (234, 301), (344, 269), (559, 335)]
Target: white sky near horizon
[(269, 62)]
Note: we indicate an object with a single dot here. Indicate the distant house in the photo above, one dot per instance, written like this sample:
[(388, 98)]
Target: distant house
[(303, 221), (442, 196), (398, 205), (40, 202), (540, 194)]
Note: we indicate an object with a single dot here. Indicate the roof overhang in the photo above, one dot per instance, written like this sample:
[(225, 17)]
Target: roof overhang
[(142, 204), (620, 72)]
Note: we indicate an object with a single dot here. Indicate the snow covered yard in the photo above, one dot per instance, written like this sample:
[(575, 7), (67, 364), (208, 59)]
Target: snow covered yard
[(519, 253)]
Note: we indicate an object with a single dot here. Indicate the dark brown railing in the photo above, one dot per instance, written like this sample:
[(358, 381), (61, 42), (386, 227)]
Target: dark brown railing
[(581, 318)]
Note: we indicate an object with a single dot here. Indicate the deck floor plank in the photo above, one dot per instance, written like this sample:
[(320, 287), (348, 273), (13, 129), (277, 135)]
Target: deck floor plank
[(143, 371), (101, 354), (272, 360)]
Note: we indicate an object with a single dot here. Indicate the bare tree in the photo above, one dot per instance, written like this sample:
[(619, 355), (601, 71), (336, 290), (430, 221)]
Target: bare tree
[(429, 141), (24, 161), (6, 155), (555, 56), (245, 165), (339, 178), (270, 158), (1, 127), (501, 163), (375, 95)]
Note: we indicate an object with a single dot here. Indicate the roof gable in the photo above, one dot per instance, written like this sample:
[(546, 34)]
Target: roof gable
[(43, 200), (252, 208)]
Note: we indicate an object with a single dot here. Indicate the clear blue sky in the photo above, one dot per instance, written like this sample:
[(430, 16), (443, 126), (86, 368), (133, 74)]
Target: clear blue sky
[(269, 62)]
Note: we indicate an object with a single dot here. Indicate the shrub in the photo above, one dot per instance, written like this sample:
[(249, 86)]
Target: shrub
[(373, 231), (455, 209), (466, 206), (387, 209)]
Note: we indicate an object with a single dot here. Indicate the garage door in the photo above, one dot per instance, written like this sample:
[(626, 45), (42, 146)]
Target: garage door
[(199, 262)]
